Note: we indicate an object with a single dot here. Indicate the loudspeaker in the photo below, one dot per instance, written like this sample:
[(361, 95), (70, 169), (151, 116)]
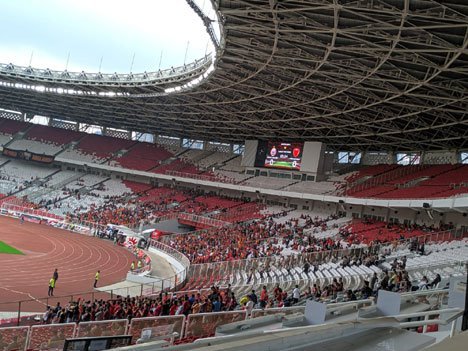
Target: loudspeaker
[(341, 201), (426, 205)]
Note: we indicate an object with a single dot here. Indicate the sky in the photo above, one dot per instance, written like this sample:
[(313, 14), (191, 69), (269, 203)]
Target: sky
[(102, 35)]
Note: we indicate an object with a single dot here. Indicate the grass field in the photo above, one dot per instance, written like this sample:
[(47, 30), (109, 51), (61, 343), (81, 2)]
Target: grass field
[(7, 249), (282, 164)]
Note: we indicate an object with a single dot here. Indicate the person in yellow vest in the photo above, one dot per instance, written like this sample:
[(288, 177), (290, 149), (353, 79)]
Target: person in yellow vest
[(132, 266), (139, 265), (97, 276), (51, 286)]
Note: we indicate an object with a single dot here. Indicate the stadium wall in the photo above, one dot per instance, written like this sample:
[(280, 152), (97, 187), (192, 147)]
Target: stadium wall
[(250, 153), (313, 159)]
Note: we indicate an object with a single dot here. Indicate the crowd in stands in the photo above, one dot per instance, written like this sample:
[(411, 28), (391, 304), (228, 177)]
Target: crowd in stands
[(260, 238), (153, 203), (218, 299), (268, 237), (166, 304)]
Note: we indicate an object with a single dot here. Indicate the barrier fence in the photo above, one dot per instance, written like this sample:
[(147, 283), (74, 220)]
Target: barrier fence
[(52, 336)]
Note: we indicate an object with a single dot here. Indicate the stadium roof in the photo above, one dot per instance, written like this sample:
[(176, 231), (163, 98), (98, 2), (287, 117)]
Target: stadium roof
[(365, 74)]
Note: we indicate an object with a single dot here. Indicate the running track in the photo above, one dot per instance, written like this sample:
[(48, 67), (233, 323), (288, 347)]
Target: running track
[(77, 257)]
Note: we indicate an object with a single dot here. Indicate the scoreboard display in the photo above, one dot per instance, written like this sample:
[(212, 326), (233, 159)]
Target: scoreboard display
[(280, 155)]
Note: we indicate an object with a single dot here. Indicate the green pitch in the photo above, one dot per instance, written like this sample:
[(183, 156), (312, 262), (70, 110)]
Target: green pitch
[(7, 249), (282, 164)]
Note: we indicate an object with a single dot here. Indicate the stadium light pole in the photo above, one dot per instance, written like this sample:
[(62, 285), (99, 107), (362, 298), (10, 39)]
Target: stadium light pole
[(100, 64), (186, 50), (133, 60), (68, 59), (160, 60), (30, 58)]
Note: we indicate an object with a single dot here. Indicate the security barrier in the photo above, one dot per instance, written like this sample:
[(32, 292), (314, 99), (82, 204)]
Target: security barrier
[(102, 328), (50, 336), (14, 338), (138, 324), (204, 324)]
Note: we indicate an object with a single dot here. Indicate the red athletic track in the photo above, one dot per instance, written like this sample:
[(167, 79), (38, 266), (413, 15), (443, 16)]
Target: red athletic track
[(77, 257)]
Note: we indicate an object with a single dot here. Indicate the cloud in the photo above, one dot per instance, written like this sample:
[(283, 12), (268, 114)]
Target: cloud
[(90, 30)]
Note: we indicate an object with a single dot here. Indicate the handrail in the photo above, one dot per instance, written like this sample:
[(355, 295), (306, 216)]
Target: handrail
[(179, 256)]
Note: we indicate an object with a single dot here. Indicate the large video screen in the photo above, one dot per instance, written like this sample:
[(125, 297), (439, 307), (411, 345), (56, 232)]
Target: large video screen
[(280, 155)]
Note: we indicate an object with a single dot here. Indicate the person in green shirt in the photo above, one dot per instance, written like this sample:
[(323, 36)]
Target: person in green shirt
[(51, 286), (97, 276)]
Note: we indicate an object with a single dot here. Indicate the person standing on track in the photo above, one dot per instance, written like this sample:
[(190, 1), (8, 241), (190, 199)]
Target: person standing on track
[(97, 276), (51, 286), (55, 276)]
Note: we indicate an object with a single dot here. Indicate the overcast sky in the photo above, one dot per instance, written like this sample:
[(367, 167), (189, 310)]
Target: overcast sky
[(115, 30)]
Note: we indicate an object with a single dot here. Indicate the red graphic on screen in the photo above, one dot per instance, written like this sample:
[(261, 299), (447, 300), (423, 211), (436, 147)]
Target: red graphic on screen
[(296, 152)]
